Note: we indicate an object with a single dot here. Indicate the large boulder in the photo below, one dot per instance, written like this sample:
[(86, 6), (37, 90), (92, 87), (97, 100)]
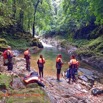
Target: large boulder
[(3, 44), (36, 42)]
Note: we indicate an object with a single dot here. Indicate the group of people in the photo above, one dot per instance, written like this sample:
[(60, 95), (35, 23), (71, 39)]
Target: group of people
[(73, 64), (40, 62), (72, 68)]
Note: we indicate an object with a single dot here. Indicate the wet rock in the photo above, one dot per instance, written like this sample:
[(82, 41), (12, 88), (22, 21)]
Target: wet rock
[(16, 83), (73, 100), (36, 42), (32, 85), (84, 78), (66, 95), (95, 61), (96, 91), (34, 49), (3, 87), (16, 52), (72, 49), (20, 59), (82, 101), (86, 84)]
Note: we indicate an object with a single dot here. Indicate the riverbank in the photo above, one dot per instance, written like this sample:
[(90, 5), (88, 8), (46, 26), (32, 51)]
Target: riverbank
[(80, 48), (12, 88), (60, 43), (19, 41), (54, 91)]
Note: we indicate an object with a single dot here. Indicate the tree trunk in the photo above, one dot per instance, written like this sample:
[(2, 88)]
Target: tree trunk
[(14, 8), (35, 9), (21, 20), (33, 29)]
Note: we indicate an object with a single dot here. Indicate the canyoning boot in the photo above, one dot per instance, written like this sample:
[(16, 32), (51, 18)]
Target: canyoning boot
[(57, 77), (69, 80)]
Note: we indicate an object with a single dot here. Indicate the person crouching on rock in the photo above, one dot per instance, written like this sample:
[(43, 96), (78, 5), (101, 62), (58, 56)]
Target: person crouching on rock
[(27, 58), (73, 67), (59, 64), (41, 62)]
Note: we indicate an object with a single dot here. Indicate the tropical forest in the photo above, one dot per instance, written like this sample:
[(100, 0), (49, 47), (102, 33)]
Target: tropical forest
[(51, 51)]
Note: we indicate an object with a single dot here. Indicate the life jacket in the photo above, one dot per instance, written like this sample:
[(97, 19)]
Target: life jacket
[(7, 53), (58, 63), (73, 63), (41, 60), (58, 59), (26, 54)]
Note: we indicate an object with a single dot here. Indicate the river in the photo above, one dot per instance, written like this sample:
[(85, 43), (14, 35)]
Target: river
[(49, 52)]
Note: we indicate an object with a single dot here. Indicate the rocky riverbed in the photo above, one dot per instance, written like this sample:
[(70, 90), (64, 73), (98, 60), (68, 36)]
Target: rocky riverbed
[(62, 92), (58, 92), (60, 44), (12, 88)]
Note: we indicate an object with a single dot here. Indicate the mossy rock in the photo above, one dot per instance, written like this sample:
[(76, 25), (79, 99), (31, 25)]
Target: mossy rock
[(2, 86), (85, 52), (32, 85), (28, 95), (96, 44), (3, 41), (5, 81), (3, 44), (0, 53), (36, 42), (63, 43), (3, 47)]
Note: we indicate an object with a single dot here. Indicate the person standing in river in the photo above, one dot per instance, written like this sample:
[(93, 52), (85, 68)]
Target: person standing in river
[(27, 58), (41, 62), (59, 64)]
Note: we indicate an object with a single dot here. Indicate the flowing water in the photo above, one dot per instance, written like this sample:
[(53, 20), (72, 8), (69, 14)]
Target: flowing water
[(49, 53)]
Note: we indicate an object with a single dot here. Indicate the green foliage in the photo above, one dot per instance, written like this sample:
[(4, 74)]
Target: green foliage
[(4, 79), (3, 44), (27, 95), (91, 47), (21, 13), (33, 95), (3, 41), (62, 18), (97, 44)]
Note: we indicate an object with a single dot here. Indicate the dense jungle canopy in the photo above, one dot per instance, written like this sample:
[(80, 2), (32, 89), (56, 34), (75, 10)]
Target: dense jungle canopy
[(62, 17)]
